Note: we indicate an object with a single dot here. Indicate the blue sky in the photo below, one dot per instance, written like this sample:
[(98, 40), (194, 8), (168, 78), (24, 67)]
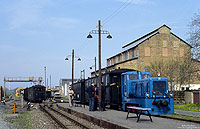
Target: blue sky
[(38, 33)]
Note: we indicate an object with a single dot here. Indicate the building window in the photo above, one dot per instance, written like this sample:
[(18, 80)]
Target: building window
[(164, 43), (146, 68), (108, 62), (165, 51), (133, 52), (198, 76), (147, 51), (113, 60), (125, 55), (181, 52), (176, 43), (119, 58), (137, 51)]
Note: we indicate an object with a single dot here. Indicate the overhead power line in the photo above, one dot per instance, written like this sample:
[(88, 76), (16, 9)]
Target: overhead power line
[(106, 20), (117, 11)]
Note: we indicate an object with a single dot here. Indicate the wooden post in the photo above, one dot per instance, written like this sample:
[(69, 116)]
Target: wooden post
[(95, 66), (72, 68), (4, 89), (14, 107), (22, 100), (99, 26)]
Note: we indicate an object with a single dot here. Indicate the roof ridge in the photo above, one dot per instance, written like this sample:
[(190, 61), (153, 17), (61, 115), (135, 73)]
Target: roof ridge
[(145, 35)]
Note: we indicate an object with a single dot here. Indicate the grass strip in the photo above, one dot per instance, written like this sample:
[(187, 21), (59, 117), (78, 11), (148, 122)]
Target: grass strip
[(23, 121), (188, 107), (181, 116)]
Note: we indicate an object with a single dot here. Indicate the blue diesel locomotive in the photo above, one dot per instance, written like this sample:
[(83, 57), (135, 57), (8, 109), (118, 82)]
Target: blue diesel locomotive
[(147, 92)]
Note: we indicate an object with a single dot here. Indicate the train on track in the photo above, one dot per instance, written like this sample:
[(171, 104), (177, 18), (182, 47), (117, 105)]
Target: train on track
[(130, 88), (36, 94)]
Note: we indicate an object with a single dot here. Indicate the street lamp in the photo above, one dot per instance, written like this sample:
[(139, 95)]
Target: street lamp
[(99, 32), (67, 58)]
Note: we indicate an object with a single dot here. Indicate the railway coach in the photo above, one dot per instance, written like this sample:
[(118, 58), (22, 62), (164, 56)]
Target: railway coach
[(112, 82)]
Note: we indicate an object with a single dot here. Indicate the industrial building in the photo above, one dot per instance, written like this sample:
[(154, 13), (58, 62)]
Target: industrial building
[(65, 84)]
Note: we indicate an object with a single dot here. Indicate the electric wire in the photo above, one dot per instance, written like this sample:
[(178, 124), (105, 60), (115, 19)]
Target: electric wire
[(106, 20), (117, 11)]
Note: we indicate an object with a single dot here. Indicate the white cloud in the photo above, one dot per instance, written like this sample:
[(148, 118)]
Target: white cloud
[(60, 22), (8, 49), (30, 14), (137, 1)]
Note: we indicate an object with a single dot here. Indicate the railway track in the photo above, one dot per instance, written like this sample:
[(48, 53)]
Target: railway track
[(66, 120)]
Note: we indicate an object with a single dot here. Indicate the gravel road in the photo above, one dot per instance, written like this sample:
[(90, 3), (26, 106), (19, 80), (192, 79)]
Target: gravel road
[(3, 123)]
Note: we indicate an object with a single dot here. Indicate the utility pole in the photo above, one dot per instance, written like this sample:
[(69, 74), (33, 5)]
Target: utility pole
[(95, 66), (99, 25), (67, 58), (4, 94), (99, 32), (50, 81), (84, 74), (47, 83), (72, 68), (45, 76)]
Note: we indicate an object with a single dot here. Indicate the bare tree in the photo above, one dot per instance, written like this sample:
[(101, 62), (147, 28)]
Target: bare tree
[(158, 66), (179, 71), (194, 36), (171, 72)]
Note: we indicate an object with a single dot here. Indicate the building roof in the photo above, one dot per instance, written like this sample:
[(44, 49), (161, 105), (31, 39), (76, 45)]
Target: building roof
[(143, 38), (140, 40)]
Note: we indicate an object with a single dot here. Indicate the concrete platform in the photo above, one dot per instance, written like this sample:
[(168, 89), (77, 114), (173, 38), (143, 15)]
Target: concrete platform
[(119, 117)]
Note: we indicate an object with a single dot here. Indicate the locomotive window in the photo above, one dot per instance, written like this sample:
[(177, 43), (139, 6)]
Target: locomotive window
[(159, 87), (125, 92), (133, 77), (142, 88), (147, 87), (139, 90), (145, 76)]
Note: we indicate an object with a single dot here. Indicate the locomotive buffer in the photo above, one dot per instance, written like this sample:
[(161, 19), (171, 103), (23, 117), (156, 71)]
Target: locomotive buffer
[(138, 111)]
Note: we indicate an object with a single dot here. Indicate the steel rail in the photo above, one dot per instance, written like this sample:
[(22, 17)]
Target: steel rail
[(54, 118), (92, 119), (67, 117)]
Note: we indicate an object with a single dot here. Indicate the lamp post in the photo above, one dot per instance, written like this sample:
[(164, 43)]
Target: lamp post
[(95, 66), (45, 72), (99, 32), (67, 58)]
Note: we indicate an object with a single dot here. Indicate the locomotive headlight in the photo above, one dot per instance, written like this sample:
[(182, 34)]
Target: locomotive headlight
[(165, 95), (171, 94), (147, 94)]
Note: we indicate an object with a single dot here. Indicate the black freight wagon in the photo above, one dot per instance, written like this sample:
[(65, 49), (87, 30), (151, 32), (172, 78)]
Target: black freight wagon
[(79, 88), (35, 93), (112, 82)]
